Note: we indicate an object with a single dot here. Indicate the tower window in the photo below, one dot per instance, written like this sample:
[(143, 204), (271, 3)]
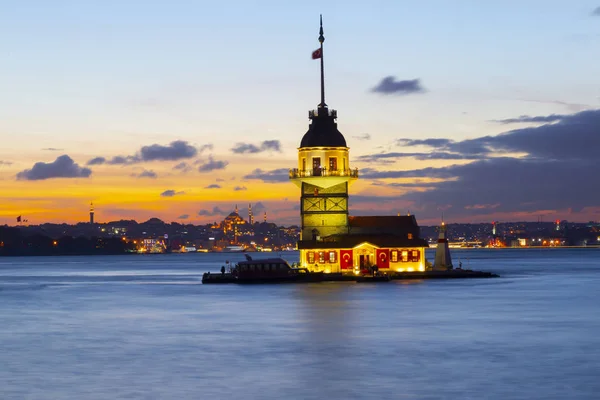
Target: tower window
[(333, 163), (410, 236)]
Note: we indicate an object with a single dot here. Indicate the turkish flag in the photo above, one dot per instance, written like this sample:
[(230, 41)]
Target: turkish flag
[(346, 261), (317, 54), (383, 258)]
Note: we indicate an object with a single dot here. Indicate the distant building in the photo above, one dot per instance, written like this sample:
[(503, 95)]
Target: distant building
[(330, 239), (91, 213)]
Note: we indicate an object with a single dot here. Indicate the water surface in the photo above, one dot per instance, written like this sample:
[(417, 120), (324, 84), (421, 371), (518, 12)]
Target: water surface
[(143, 327)]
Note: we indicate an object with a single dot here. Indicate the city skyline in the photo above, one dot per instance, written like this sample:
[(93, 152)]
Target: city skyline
[(164, 111)]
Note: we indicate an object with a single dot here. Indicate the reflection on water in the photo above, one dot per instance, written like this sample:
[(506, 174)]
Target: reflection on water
[(145, 328)]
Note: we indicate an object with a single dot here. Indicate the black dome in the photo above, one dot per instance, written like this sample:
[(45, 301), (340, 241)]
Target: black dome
[(323, 132)]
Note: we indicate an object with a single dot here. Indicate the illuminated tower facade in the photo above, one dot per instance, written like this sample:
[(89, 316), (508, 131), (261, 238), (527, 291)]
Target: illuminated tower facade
[(323, 173), (91, 213)]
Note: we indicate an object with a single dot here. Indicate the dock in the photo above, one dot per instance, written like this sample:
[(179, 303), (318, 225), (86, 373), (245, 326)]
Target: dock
[(218, 278)]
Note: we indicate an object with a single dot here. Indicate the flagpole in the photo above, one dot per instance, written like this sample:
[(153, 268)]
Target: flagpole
[(321, 40)]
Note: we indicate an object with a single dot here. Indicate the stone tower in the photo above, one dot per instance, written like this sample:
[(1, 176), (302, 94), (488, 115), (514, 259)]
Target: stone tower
[(323, 174)]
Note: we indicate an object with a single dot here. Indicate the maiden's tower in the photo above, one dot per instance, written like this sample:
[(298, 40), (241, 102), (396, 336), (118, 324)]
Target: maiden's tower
[(331, 240)]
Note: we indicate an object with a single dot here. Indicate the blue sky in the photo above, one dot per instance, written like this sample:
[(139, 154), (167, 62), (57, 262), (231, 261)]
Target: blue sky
[(103, 78)]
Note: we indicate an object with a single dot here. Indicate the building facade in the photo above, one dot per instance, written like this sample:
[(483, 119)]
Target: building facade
[(331, 240)]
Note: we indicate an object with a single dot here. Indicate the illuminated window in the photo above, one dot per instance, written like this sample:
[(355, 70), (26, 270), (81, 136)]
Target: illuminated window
[(321, 256), (332, 256), (404, 255), (394, 256), (333, 163), (310, 257), (414, 255), (410, 236)]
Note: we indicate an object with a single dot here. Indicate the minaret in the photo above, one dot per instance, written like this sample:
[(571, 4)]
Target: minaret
[(236, 209), (323, 174), (250, 216), (443, 262), (265, 217), (91, 213)]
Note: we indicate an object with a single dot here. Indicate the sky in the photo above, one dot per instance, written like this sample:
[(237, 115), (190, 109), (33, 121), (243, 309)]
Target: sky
[(180, 109)]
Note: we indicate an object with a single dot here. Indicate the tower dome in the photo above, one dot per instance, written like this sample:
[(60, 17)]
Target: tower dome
[(323, 131)]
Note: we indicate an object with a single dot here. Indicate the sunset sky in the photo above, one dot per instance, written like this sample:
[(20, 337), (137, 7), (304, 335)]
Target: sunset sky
[(182, 109)]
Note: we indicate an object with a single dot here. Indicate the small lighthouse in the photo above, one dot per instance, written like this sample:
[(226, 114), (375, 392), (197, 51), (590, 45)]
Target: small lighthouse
[(91, 213), (443, 262)]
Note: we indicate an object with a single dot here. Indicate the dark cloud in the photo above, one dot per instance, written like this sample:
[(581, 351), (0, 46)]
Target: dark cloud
[(171, 193), (424, 142), (596, 12), (366, 136), (147, 173), (211, 213), (559, 162), (249, 148), (436, 155), (542, 119), (389, 85), (430, 172), (212, 165), (183, 167), (273, 176), (176, 150), (96, 161), (239, 188), (123, 160), (183, 216), (213, 186), (62, 167)]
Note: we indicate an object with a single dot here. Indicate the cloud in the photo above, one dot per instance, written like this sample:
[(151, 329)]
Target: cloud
[(249, 148), (171, 193), (389, 85), (527, 119), (220, 180), (176, 150), (211, 213), (183, 216), (52, 149), (96, 161), (366, 136), (5, 162), (183, 167), (596, 12), (213, 186), (436, 155), (553, 170), (273, 176), (147, 173), (212, 165), (62, 167), (240, 188), (205, 147)]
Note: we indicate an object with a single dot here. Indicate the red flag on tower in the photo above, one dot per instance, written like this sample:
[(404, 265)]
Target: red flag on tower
[(317, 54)]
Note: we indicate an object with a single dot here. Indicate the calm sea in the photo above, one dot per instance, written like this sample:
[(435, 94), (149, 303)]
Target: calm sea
[(144, 327)]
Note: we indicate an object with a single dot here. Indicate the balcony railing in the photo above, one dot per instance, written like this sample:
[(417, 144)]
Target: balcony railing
[(299, 173)]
